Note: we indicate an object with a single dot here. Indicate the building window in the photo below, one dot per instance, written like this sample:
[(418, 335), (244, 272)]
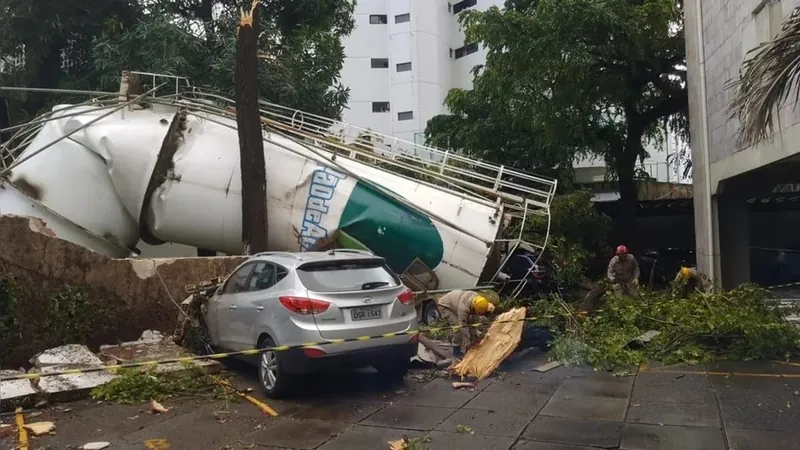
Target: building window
[(466, 50), (380, 107), (402, 18), (451, 53), (404, 67), (378, 19), (405, 115), (449, 8), (379, 63), (464, 4)]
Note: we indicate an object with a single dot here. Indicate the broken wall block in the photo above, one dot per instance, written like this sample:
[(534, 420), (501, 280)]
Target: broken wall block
[(133, 352), (70, 354), (68, 357), (17, 392), (123, 296)]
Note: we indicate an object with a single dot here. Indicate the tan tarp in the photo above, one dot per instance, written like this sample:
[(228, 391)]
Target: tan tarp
[(500, 341)]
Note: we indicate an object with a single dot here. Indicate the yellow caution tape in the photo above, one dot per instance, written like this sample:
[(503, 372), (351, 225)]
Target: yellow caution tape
[(251, 352)]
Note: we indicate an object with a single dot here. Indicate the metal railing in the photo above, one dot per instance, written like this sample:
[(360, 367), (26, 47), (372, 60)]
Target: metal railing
[(518, 193), (486, 180)]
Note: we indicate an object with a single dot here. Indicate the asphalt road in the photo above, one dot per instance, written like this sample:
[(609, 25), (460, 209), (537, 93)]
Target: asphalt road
[(758, 407)]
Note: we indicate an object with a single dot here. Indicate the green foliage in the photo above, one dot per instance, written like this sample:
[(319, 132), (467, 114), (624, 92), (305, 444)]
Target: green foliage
[(69, 316), (9, 315), (301, 42), (744, 323), (134, 386), (578, 233), (565, 78)]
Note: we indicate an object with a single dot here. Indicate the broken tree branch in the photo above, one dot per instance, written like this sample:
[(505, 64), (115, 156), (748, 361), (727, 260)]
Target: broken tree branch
[(251, 144)]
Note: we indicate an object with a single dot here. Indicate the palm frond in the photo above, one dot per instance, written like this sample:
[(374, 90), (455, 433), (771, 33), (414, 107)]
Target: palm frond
[(768, 76)]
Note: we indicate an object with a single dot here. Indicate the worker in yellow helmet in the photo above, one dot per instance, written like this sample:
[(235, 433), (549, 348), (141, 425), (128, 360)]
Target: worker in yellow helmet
[(687, 280), (461, 308)]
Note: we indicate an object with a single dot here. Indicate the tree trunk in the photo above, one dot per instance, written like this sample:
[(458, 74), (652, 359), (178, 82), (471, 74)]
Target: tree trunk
[(625, 232), (251, 145)]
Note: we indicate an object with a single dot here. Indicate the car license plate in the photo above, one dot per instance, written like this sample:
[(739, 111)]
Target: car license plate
[(368, 313)]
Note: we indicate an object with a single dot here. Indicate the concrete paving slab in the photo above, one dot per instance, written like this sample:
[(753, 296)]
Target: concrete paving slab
[(724, 383), (655, 437), (335, 411), (532, 445), (519, 401), (591, 408), (574, 432), (409, 417), (439, 393), (80, 422), (296, 434), (366, 438), (596, 387), (672, 380), (760, 440), (622, 375), (498, 423), (643, 392), (17, 392), (682, 414), (760, 410), (661, 367), (759, 367), (529, 387), (196, 429), (441, 440)]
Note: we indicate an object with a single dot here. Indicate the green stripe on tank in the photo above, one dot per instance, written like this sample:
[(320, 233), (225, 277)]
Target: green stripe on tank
[(390, 229)]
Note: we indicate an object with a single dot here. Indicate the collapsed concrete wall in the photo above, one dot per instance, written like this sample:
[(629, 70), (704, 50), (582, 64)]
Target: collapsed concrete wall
[(55, 292)]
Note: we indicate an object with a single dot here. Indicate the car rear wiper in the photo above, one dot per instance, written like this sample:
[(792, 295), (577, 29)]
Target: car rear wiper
[(373, 284)]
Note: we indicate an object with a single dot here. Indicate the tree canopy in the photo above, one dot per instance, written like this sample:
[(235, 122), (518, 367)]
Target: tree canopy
[(300, 46), (568, 78)]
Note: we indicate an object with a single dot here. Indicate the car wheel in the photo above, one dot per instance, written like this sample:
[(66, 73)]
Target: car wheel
[(430, 313), (273, 379), (394, 371)]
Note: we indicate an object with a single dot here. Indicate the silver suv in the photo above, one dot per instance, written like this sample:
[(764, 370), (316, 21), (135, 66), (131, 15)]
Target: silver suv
[(277, 298)]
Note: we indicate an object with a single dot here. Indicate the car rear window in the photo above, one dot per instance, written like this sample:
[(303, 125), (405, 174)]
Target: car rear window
[(342, 276)]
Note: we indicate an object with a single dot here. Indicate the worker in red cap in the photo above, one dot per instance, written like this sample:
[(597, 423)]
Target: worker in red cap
[(623, 273)]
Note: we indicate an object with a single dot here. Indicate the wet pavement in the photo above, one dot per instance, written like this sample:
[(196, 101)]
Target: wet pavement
[(718, 406)]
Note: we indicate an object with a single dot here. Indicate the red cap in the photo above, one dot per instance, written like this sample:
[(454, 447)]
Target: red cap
[(622, 250)]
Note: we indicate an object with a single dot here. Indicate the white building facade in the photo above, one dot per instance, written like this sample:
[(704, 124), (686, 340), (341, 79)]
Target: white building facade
[(404, 56)]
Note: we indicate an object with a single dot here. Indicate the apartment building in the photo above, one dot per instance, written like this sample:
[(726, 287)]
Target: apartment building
[(745, 198), (403, 58)]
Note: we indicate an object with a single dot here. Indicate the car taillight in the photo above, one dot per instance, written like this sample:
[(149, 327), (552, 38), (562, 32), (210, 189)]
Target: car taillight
[(406, 297), (304, 306)]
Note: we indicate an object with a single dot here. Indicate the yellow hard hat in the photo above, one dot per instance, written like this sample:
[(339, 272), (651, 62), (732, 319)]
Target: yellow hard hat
[(492, 296), (481, 305), (686, 272)]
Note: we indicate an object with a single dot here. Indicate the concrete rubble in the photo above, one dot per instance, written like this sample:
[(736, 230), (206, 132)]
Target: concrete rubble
[(17, 392), (68, 387), (154, 346), (151, 346)]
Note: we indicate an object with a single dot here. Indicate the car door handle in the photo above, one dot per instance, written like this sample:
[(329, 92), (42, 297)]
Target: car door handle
[(259, 308), (232, 307)]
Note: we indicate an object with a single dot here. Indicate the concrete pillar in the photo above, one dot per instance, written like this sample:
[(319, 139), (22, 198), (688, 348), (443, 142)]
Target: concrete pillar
[(733, 223)]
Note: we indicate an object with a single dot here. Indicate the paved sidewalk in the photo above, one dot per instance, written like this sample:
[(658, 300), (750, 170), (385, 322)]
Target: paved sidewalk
[(565, 409)]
